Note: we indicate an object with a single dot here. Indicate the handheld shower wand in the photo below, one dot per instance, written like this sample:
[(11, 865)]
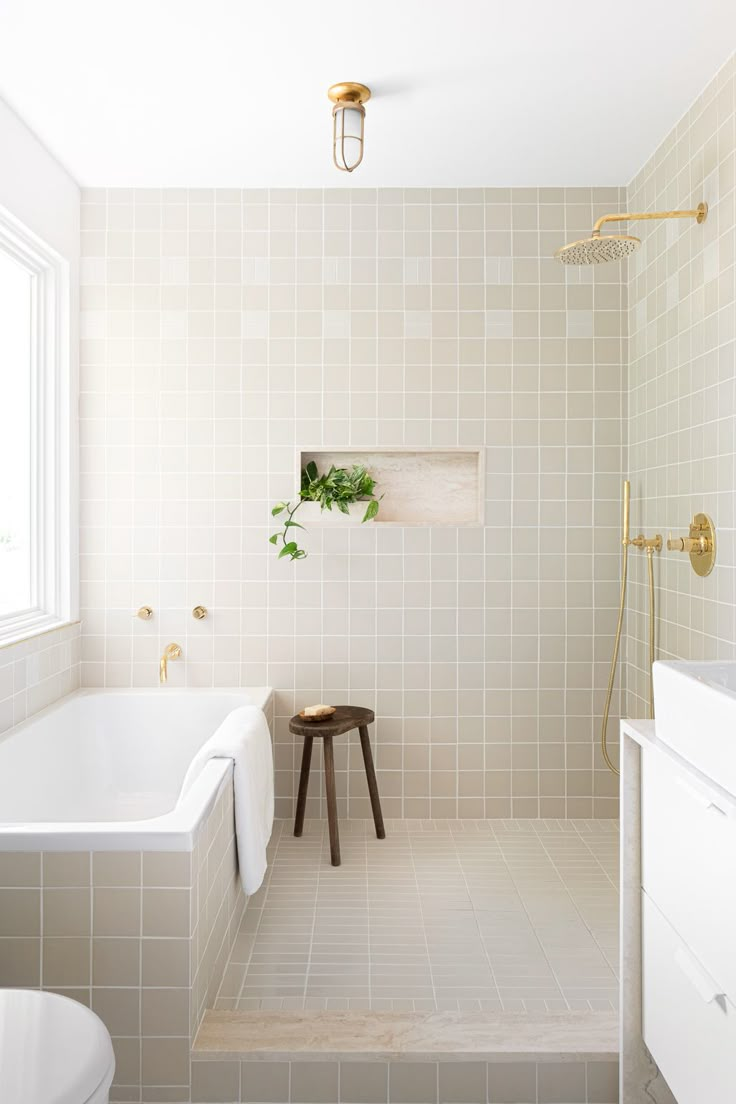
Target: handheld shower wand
[(625, 542), (650, 546)]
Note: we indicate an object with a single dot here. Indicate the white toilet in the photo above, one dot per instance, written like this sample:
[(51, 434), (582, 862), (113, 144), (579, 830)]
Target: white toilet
[(53, 1050)]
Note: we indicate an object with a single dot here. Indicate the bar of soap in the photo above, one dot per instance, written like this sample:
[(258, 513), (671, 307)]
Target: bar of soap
[(316, 710)]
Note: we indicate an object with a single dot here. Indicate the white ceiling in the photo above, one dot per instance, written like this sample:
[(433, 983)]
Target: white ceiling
[(465, 92)]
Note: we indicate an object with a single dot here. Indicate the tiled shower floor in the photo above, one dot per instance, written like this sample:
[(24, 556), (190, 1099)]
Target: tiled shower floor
[(457, 915)]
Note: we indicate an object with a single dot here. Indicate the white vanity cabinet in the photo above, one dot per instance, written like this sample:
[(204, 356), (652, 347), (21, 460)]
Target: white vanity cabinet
[(688, 937), (689, 1025)]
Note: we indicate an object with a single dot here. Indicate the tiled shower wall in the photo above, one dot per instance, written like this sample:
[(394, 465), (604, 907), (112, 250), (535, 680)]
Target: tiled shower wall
[(222, 331), (682, 384)]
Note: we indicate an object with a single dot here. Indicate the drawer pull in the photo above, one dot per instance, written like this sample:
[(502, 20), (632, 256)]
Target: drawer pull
[(703, 983), (698, 795)]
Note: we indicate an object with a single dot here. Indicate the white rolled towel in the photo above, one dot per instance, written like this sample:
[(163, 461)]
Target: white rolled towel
[(244, 737)]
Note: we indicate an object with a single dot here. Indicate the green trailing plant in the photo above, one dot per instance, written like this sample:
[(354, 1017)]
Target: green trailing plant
[(339, 487)]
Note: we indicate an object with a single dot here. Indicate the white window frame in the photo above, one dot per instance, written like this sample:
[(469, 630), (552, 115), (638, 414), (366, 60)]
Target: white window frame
[(53, 540)]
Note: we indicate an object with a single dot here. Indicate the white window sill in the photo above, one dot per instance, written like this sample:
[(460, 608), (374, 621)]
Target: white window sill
[(29, 627)]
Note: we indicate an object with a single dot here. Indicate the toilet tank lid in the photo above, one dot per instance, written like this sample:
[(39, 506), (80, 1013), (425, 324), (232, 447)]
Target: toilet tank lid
[(53, 1050)]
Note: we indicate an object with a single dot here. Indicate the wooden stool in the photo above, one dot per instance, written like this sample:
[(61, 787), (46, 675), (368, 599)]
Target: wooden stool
[(345, 719)]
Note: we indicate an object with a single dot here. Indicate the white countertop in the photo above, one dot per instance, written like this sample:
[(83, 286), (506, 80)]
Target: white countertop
[(644, 733)]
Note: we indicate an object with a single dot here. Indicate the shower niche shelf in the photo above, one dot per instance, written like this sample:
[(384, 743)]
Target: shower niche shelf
[(420, 486)]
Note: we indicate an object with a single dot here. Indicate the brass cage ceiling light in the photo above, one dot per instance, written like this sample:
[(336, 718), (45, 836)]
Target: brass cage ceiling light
[(348, 119)]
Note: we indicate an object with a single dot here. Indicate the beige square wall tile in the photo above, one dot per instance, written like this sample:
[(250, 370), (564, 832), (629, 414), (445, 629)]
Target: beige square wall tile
[(116, 868), (363, 1082), (119, 1010), (165, 1011), (314, 1082), (116, 962), (412, 1083), (462, 1082), (602, 1082), (165, 1061), (20, 868), (66, 962), (20, 912), (264, 1082), (66, 912), (214, 1081), (165, 962), (561, 1082), (166, 868), (20, 963), (166, 912), (66, 868), (512, 1083), (116, 911), (127, 1062)]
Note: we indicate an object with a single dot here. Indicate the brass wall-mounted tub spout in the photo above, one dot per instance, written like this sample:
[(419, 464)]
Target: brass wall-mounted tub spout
[(171, 651)]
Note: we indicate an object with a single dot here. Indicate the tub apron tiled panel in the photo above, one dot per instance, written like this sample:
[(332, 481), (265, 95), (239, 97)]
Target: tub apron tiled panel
[(142, 938)]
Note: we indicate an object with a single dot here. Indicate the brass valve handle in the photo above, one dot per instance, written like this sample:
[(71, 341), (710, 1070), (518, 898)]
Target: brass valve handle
[(697, 546), (700, 545)]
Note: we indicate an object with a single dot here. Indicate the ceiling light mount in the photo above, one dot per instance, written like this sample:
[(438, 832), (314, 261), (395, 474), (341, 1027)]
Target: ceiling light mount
[(349, 92), (348, 118)]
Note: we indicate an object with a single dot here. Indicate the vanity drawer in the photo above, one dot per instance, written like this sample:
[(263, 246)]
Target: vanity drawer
[(688, 1025), (689, 864)]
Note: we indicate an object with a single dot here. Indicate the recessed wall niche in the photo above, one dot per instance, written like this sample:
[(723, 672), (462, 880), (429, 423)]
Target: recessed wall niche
[(432, 487)]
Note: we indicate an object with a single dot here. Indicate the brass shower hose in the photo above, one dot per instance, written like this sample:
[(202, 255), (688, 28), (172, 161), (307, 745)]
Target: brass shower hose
[(650, 549)]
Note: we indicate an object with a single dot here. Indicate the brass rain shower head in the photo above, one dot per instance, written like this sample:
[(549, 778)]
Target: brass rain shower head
[(600, 248)]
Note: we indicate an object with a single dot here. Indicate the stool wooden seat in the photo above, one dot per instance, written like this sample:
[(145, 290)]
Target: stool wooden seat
[(345, 719)]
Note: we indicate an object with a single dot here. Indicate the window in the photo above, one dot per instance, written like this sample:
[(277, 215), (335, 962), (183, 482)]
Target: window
[(35, 435)]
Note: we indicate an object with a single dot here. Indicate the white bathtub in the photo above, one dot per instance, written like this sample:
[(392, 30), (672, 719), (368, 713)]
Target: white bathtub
[(101, 770)]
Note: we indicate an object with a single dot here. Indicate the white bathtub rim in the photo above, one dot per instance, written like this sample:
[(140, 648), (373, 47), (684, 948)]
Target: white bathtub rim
[(177, 834), (261, 697), (176, 830)]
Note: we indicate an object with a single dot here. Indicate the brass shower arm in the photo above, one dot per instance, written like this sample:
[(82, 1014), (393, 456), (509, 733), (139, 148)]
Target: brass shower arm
[(699, 214)]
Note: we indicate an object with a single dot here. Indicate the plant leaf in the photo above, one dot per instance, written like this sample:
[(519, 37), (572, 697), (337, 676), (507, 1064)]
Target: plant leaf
[(278, 508), (371, 510), (292, 525), (288, 550), (274, 538)]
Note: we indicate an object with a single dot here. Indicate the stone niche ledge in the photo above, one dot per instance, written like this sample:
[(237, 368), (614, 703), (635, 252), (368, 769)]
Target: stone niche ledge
[(433, 487)]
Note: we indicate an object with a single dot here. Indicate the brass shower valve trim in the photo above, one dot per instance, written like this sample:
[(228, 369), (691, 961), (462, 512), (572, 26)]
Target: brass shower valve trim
[(651, 544), (700, 545)]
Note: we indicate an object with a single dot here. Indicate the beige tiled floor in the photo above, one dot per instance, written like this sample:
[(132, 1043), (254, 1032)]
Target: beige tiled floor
[(458, 915)]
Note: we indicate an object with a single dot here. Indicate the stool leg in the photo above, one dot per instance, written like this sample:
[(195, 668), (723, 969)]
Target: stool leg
[(370, 773), (331, 801), (301, 801)]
